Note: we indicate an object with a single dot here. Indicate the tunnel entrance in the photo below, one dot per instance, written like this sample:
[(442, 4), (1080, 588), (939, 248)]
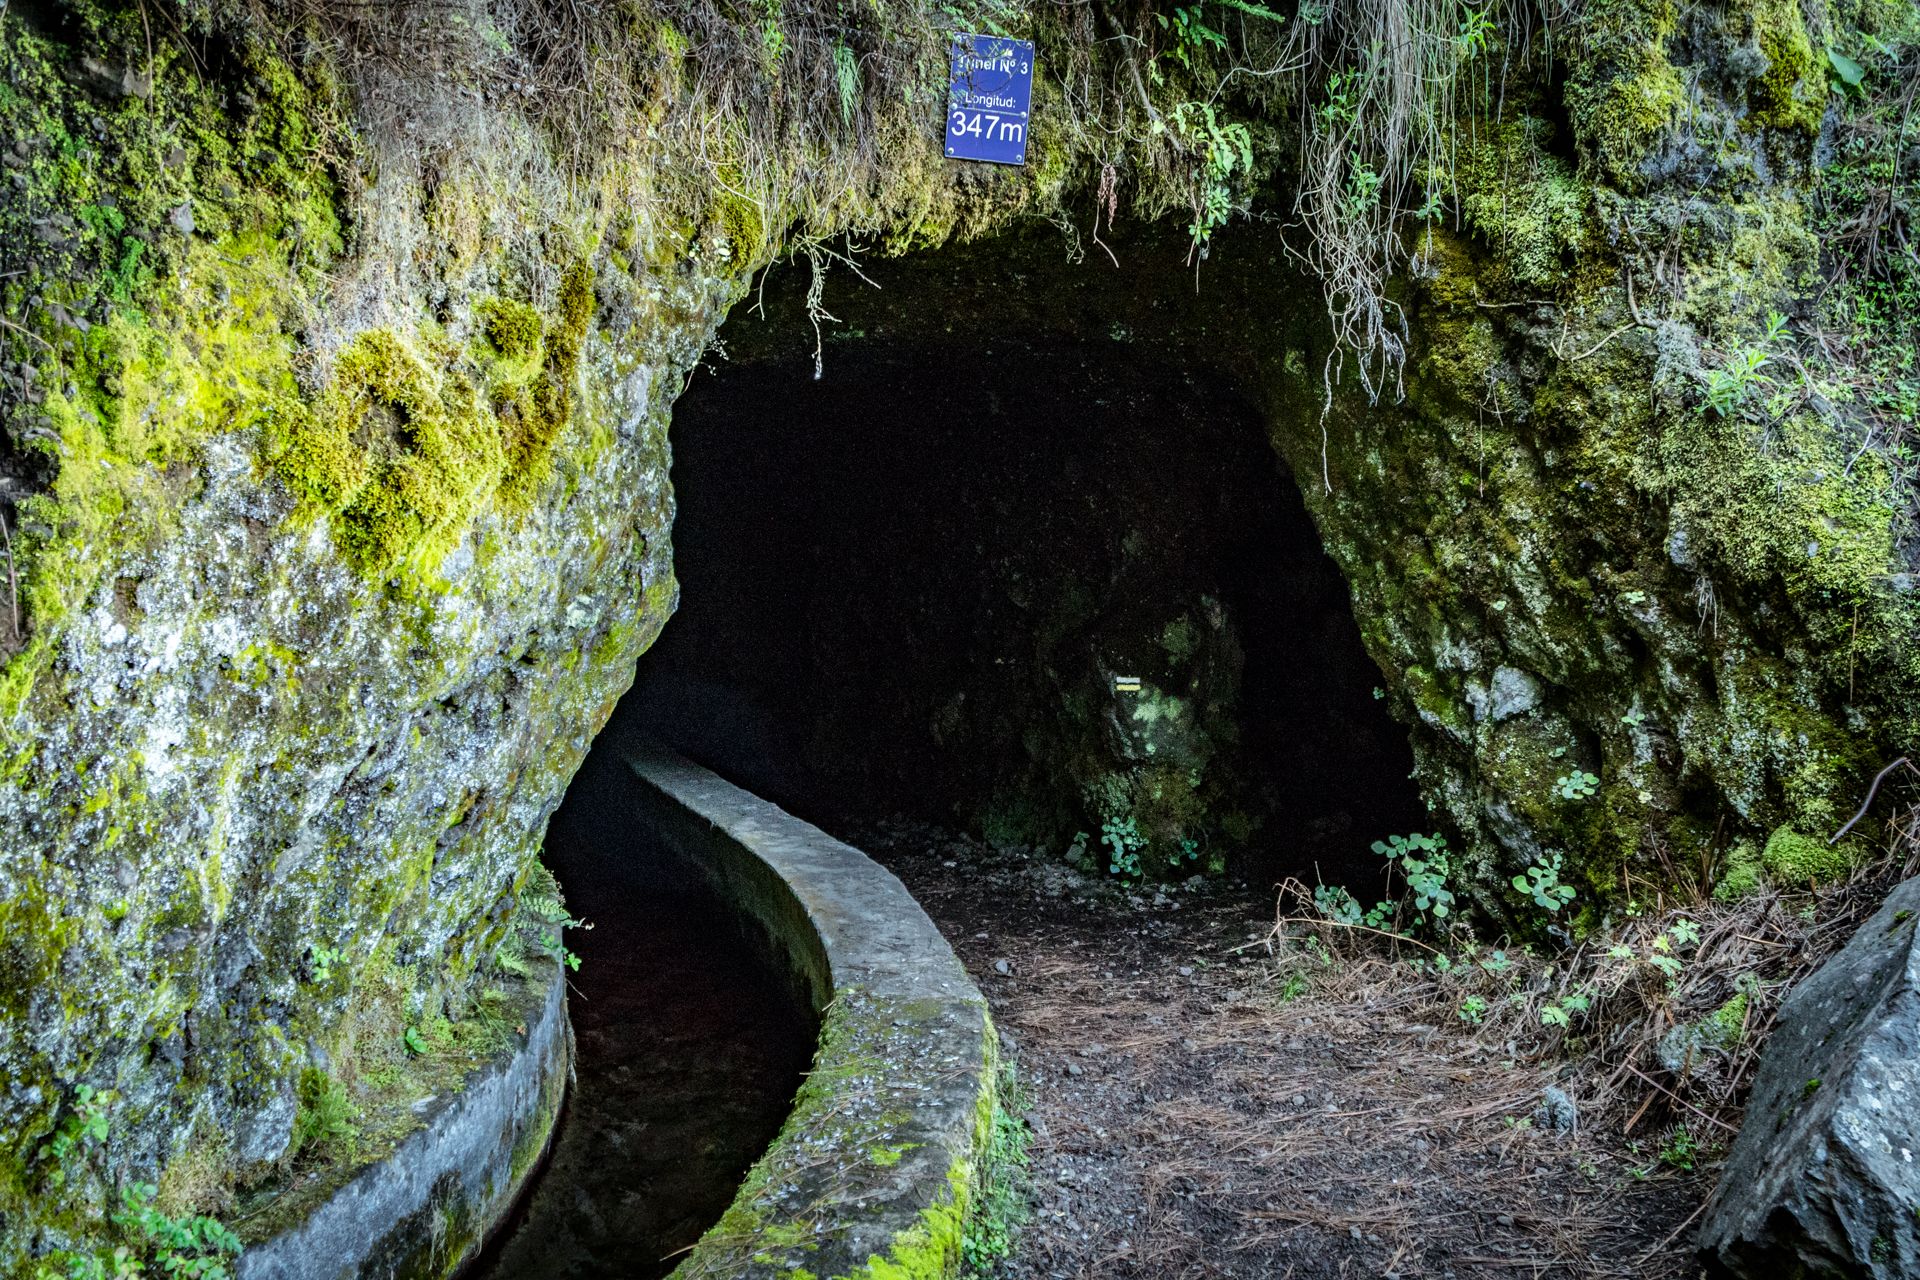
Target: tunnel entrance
[(1039, 577), (1031, 577)]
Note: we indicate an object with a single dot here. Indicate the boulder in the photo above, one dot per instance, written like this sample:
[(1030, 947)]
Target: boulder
[(1823, 1179)]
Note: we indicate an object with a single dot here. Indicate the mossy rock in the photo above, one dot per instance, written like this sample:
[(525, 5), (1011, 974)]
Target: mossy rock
[(513, 327), (1743, 876), (1798, 861)]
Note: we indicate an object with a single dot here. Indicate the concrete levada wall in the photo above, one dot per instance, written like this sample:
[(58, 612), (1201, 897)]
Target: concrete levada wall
[(875, 1169), (423, 1211)]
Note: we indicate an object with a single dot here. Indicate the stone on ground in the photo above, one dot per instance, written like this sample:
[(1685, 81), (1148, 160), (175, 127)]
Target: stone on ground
[(1823, 1179)]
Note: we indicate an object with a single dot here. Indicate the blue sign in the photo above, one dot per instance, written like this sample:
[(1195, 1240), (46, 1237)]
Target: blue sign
[(989, 98)]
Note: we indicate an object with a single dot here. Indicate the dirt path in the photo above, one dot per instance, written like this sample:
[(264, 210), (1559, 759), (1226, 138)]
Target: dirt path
[(1200, 1107)]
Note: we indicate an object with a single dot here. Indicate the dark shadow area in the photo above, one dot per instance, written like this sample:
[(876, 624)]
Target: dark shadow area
[(691, 1043), (912, 586)]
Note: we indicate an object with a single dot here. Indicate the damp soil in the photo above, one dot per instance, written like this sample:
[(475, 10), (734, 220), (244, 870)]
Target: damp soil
[(1200, 1106), (691, 1043)]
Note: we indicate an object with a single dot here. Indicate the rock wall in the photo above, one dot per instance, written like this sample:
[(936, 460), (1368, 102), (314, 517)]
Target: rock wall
[(307, 662), (340, 343)]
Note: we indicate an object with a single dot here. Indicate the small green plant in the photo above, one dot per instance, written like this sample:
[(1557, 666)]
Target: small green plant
[(1124, 841), (1077, 848), (846, 74), (122, 1264), (1336, 904), (1577, 785), (1729, 385), (510, 957), (1191, 36), (550, 939), (1680, 1150), (1363, 191), (1562, 1012), (85, 1125), (1476, 33), (321, 964), (1542, 883), (1667, 944), (323, 1125), (542, 903), (193, 1247), (415, 1042), (1473, 1010), (994, 1220), (1849, 74), (1225, 148), (1424, 864), (772, 37), (1343, 99)]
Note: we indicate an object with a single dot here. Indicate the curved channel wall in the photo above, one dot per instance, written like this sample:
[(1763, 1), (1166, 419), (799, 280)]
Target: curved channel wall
[(423, 1211), (872, 1175)]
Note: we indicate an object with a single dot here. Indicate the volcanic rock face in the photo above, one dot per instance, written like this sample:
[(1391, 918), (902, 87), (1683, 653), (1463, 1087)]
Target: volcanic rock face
[(256, 760), (1823, 1179)]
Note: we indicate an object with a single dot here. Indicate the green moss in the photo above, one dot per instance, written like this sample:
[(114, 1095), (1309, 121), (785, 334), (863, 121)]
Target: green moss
[(402, 448), (34, 936), (1742, 877), (1801, 519), (189, 334), (1437, 704), (931, 1248), (1623, 94), (398, 454), (934, 1247), (324, 1126), (1729, 1021), (790, 1197), (513, 327), (1523, 199), (1791, 93), (1000, 1202), (738, 219), (1761, 257), (1798, 861), (530, 428)]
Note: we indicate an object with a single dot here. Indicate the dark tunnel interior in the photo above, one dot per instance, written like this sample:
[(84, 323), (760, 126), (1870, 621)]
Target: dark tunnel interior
[(918, 584)]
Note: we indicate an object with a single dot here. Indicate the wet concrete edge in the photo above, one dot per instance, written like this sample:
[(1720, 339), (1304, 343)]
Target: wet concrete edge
[(424, 1211), (873, 1173)]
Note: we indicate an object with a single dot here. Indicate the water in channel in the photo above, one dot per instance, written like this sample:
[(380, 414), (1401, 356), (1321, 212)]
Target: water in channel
[(691, 1044)]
